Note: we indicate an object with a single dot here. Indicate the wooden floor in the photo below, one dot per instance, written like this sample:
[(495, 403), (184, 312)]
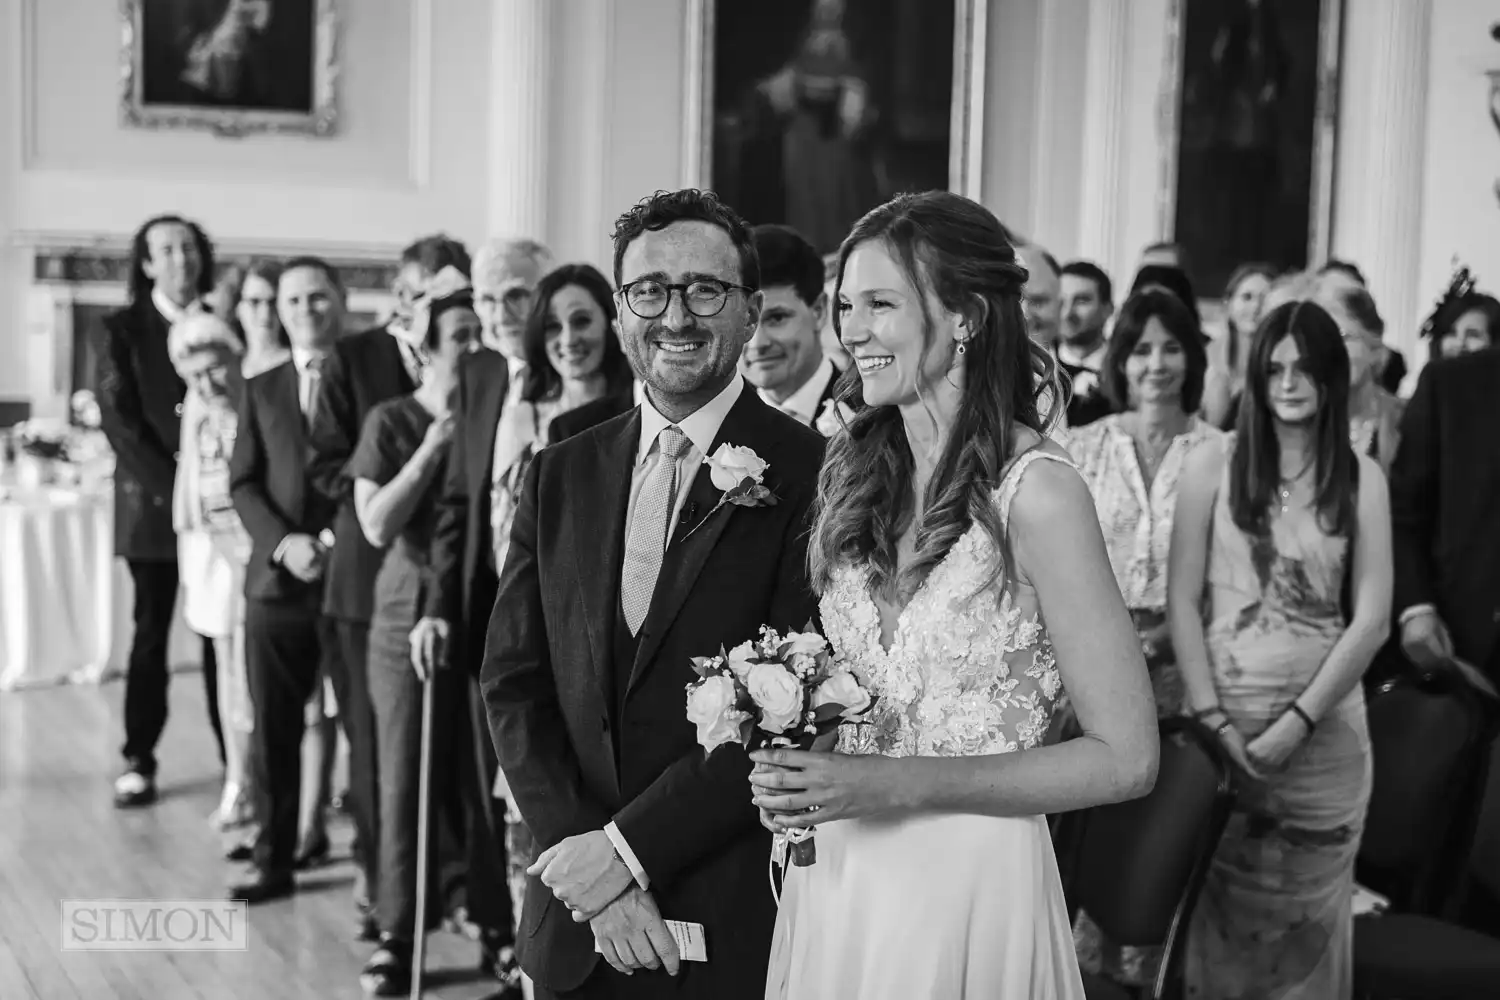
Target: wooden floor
[(61, 838)]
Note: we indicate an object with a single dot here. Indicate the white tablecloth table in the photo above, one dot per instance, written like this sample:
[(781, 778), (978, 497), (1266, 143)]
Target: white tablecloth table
[(65, 600)]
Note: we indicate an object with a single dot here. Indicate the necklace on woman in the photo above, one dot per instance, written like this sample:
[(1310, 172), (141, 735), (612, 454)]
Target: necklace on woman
[(1287, 484)]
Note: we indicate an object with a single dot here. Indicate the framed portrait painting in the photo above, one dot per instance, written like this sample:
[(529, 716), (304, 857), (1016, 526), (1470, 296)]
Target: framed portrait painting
[(1249, 127), (230, 66), (811, 112)]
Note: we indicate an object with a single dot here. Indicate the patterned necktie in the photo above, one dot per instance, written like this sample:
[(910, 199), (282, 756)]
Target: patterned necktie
[(646, 540)]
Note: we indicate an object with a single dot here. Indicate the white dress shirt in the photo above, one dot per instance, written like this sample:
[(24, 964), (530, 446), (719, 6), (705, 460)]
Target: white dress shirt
[(700, 427), (171, 311), (803, 404), (301, 358)]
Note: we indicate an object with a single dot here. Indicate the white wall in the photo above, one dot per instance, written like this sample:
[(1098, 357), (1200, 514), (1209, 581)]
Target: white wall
[(1460, 202), (406, 159)]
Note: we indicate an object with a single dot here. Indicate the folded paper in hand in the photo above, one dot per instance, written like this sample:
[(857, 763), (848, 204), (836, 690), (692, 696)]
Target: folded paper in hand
[(689, 938)]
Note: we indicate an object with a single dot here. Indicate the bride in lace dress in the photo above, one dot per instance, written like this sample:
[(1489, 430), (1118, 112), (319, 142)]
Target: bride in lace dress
[(963, 578)]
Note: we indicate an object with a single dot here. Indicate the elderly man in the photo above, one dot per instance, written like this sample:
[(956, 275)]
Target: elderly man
[(462, 578)]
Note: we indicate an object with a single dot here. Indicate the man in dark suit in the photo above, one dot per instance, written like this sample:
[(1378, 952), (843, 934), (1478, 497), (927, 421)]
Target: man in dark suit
[(140, 405), (621, 567), (362, 370), (286, 635), (1445, 510), (784, 359)]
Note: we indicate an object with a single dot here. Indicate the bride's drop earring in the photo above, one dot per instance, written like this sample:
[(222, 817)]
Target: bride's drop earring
[(962, 347)]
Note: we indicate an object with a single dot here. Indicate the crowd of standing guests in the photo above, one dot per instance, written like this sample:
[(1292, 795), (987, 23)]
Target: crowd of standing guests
[(336, 506)]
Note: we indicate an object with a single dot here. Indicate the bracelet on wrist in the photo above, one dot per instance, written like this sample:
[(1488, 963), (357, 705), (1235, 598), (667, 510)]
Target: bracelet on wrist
[(1300, 713), (1209, 712)]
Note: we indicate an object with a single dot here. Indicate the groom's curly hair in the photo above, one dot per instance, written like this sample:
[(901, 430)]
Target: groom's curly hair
[(958, 252), (660, 210)]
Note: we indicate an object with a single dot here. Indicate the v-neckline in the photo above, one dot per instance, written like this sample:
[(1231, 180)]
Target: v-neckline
[(899, 625)]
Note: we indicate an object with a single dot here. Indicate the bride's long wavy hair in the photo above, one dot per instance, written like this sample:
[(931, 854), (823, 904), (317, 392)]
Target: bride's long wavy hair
[(959, 251)]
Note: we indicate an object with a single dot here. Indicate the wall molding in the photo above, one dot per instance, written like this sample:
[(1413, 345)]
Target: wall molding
[(63, 240)]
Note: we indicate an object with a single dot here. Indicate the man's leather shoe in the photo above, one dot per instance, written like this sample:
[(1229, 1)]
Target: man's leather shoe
[(263, 886), (134, 789)]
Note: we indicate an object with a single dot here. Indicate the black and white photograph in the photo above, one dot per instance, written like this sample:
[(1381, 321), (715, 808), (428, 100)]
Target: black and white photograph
[(750, 500)]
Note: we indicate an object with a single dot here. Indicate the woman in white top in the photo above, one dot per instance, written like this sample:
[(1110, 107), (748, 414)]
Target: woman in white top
[(212, 546)]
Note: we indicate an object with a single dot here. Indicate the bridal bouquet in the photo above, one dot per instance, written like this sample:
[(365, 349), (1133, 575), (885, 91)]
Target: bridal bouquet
[(775, 691)]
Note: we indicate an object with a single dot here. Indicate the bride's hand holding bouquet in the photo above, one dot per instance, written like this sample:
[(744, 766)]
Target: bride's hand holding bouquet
[(777, 694)]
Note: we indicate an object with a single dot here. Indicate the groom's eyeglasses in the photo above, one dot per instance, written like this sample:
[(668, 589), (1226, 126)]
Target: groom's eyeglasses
[(648, 298)]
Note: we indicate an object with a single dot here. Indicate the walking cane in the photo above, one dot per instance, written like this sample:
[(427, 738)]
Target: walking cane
[(424, 822)]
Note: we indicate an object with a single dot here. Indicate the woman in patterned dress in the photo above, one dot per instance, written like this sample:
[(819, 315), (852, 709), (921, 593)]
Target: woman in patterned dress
[(963, 580), (1267, 527), (1153, 371)]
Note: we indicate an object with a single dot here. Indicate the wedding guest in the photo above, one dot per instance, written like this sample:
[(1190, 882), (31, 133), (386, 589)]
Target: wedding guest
[(212, 545), (1445, 495), (1087, 305), (140, 397), (1041, 299), (574, 367), (505, 275), (287, 638), (1244, 302), (828, 335), (397, 469), (1267, 526), (784, 358), (1133, 460), (247, 299), (1374, 414), (362, 370), (1388, 363), (249, 304), (1469, 323)]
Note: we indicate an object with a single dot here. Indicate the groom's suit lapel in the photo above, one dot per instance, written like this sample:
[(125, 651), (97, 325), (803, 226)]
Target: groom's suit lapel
[(698, 531), (601, 506)]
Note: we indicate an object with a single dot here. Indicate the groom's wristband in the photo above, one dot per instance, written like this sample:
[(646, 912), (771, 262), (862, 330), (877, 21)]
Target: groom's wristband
[(627, 856)]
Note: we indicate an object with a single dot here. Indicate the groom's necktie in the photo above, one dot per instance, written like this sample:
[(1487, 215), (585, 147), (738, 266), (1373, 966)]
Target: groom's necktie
[(646, 539)]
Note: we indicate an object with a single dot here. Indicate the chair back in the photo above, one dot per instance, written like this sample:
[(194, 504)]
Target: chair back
[(1137, 867), (1429, 739)]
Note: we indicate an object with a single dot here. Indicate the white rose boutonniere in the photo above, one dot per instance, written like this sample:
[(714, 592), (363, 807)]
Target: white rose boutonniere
[(739, 472), (1085, 384), (834, 417)]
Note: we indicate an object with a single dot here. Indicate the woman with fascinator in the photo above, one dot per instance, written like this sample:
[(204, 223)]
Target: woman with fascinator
[(396, 470)]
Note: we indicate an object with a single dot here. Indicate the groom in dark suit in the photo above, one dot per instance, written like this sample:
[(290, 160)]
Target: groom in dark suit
[(622, 567)]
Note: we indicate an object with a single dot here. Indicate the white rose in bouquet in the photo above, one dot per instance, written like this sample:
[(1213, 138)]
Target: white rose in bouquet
[(741, 659), (842, 688), (778, 694), (710, 707)]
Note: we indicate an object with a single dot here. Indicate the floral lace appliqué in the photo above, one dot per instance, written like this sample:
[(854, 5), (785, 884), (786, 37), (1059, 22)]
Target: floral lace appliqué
[(966, 673)]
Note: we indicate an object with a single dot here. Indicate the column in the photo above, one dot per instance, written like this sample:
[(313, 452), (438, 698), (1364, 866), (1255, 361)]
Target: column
[(1377, 188), (1104, 135), (520, 46)]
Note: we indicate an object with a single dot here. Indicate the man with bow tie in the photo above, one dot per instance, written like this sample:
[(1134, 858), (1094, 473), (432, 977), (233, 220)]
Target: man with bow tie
[(784, 359)]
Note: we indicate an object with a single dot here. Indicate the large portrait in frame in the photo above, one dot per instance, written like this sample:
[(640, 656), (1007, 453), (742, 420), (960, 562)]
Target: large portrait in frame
[(1249, 126), (812, 112), (230, 66)]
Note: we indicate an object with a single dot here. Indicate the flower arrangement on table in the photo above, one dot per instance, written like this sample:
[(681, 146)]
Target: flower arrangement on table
[(43, 439), (775, 691)]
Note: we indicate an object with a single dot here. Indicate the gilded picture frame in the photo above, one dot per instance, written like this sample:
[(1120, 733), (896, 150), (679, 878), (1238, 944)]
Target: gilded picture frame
[(911, 111), (231, 67), (1273, 119)]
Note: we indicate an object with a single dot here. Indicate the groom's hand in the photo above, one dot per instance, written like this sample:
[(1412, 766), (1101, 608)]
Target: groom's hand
[(584, 873), (632, 935)]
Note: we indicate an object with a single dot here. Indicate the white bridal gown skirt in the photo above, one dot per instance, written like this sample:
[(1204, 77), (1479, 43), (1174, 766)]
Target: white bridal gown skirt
[(935, 906)]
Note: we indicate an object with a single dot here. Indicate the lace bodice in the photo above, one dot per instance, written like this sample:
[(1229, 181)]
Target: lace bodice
[(966, 674)]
